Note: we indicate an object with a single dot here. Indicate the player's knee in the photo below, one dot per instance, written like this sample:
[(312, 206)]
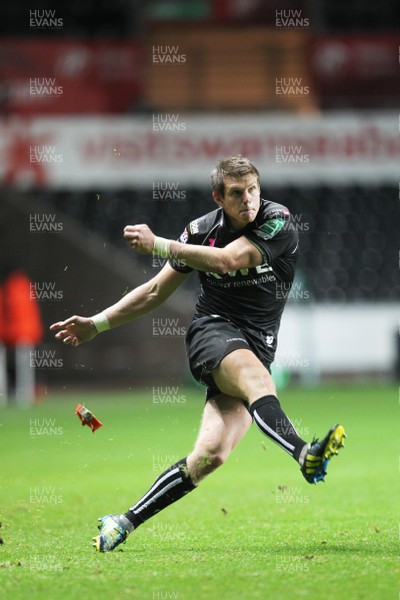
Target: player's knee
[(262, 383)]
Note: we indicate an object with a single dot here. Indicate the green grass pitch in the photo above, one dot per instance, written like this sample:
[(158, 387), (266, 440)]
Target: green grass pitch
[(253, 529)]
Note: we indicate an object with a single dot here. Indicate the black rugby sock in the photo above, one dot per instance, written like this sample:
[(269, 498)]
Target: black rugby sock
[(272, 421), (169, 487)]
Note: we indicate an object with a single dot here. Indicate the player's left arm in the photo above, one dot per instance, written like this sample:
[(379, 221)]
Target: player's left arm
[(239, 254)]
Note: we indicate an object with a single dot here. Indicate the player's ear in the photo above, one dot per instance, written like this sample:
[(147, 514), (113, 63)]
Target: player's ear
[(217, 199)]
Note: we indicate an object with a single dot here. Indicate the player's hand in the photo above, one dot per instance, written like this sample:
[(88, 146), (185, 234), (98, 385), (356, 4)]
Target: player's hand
[(140, 238), (75, 330)]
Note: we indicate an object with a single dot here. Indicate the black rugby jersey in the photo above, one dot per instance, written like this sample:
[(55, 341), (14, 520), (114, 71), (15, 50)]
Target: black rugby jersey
[(253, 297)]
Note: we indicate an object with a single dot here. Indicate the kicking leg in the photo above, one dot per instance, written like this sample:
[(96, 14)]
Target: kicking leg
[(241, 374)]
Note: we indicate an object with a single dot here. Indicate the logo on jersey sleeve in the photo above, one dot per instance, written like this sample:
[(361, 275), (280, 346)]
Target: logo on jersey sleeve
[(184, 236), (269, 340), (194, 227), (270, 228)]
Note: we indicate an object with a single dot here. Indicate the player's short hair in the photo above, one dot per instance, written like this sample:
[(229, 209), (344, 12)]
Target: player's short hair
[(234, 166)]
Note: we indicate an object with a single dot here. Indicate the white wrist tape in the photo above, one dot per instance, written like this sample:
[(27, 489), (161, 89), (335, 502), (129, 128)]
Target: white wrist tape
[(101, 322), (161, 247)]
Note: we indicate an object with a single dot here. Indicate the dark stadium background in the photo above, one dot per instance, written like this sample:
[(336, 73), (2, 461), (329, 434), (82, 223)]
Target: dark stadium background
[(228, 56)]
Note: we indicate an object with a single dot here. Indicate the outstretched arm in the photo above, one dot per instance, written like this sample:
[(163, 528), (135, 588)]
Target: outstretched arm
[(240, 254), (76, 330)]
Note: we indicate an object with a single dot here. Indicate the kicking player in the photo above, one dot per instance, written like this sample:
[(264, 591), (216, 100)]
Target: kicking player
[(242, 251)]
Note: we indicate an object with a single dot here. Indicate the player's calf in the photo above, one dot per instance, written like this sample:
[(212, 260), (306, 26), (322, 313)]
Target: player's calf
[(275, 424)]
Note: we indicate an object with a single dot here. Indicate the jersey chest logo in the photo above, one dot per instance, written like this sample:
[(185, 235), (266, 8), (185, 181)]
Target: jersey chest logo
[(265, 268)]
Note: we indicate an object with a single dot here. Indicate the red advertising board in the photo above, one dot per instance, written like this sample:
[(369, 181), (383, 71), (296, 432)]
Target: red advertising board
[(39, 77), (356, 71), (111, 152)]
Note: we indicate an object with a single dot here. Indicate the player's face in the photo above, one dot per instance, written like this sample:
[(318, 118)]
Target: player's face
[(241, 200)]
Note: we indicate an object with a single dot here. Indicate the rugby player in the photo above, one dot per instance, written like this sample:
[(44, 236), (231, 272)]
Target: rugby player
[(242, 251)]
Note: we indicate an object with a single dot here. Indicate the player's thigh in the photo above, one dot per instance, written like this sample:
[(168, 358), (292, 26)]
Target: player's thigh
[(225, 421), (242, 374)]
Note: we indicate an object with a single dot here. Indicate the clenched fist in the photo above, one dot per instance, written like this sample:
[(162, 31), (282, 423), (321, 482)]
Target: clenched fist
[(140, 238)]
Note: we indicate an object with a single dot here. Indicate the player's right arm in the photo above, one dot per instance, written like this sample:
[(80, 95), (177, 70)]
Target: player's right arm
[(76, 330)]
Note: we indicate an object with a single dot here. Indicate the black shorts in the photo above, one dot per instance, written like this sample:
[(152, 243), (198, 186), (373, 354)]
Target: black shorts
[(210, 338)]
